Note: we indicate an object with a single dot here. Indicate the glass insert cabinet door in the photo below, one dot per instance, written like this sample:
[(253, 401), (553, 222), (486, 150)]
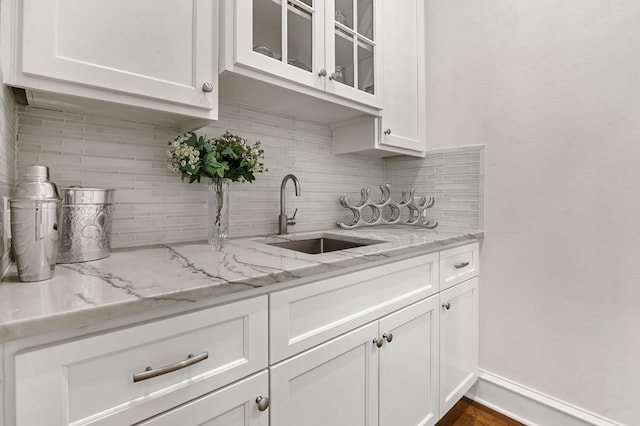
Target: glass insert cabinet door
[(284, 38), (352, 53), (326, 44)]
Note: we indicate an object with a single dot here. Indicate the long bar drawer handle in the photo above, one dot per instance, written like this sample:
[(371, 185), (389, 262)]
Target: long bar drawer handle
[(154, 372), (461, 265)]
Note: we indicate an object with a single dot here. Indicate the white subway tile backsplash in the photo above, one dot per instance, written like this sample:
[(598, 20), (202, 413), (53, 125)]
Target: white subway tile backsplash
[(8, 128), (454, 177), (154, 206)]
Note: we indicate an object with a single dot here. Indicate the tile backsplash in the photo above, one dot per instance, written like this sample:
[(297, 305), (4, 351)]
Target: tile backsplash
[(154, 206), (8, 121), (454, 177)]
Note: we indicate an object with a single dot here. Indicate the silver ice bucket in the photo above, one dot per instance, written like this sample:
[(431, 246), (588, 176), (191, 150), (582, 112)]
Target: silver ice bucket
[(35, 219), (86, 224)]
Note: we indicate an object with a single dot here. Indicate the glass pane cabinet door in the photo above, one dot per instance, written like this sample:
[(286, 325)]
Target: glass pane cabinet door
[(299, 32), (330, 45), (352, 50), (286, 38), (267, 30)]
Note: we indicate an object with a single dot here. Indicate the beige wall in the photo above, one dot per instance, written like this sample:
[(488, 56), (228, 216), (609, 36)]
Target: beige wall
[(553, 89)]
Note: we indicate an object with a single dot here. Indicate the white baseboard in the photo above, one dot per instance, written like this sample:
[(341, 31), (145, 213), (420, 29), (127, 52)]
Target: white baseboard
[(529, 406)]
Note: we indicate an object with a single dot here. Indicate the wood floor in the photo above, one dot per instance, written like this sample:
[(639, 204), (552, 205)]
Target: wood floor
[(469, 413)]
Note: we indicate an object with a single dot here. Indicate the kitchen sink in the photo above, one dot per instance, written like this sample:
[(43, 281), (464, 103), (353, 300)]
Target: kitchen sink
[(324, 244)]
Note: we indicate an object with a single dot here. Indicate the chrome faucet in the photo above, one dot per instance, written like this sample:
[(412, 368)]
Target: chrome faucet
[(283, 220)]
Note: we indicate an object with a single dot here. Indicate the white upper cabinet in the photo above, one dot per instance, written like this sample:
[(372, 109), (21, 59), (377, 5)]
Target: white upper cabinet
[(282, 39), (402, 121), (160, 56), (326, 49), (400, 129), (352, 59)]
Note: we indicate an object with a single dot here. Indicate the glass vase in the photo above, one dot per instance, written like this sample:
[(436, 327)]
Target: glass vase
[(218, 203)]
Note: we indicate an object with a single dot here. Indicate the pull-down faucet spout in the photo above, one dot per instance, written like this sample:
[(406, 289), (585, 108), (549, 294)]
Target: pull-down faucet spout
[(283, 220)]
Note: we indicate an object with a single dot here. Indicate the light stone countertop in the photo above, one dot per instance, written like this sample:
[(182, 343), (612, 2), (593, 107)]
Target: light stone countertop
[(135, 280)]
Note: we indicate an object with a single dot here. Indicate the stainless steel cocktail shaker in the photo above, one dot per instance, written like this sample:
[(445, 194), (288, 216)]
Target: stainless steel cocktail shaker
[(36, 214)]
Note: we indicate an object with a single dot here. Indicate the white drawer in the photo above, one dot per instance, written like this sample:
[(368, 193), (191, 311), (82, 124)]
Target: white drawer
[(305, 316), (234, 405), (458, 264), (91, 380)]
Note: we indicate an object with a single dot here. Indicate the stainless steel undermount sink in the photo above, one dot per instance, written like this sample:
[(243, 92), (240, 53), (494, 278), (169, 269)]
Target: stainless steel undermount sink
[(324, 244)]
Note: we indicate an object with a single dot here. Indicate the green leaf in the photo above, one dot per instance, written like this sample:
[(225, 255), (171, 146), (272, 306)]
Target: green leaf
[(192, 141), (210, 160), (248, 176), (229, 151)]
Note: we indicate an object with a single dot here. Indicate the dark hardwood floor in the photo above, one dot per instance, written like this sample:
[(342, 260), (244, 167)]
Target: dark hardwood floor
[(469, 413)]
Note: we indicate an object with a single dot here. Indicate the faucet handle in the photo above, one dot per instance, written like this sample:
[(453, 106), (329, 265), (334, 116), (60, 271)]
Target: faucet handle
[(292, 220)]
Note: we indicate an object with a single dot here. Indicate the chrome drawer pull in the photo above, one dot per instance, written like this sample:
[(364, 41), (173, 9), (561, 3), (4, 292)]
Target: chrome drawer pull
[(461, 265), (151, 372)]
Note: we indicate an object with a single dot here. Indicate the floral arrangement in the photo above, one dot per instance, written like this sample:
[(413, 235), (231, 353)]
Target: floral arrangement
[(225, 157), (221, 159)]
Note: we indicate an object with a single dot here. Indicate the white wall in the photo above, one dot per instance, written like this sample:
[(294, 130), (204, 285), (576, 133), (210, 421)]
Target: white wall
[(552, 87)]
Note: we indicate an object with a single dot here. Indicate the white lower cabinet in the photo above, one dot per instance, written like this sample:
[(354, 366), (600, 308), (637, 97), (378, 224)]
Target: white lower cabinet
[(384, 373), (305, 316), (334, 384), (391, 345), (131, 374), (234, 405), (409, 365), (458, 342)]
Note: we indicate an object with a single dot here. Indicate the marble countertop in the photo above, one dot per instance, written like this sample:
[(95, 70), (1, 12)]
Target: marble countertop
[(135, 280)]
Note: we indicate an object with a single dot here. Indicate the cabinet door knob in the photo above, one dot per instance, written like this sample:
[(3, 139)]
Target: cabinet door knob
[(322, 73), (388, 336), (333, 76), (447, 306), (379, 342), (263, 402), (387, 132), (207, 87)]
